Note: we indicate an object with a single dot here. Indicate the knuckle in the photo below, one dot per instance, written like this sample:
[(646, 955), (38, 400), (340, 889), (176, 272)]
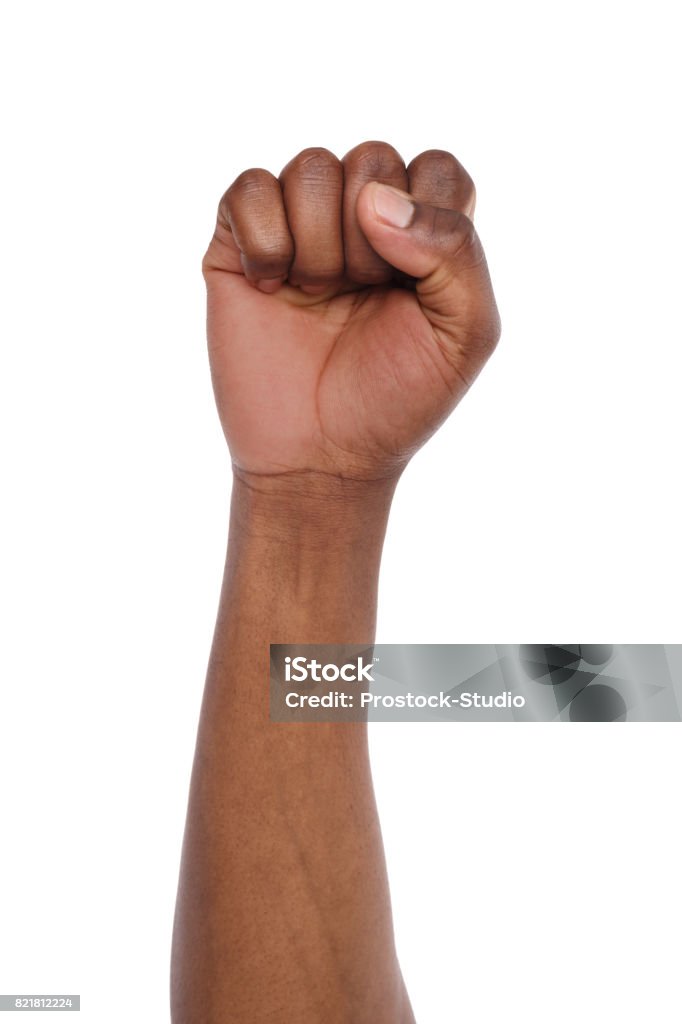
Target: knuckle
[(444, 167), (315, 164), (373, 159), (252, 182), (439, 160)]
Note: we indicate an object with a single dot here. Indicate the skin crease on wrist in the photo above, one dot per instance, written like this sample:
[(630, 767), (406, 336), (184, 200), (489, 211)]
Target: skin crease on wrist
[(349, 308)]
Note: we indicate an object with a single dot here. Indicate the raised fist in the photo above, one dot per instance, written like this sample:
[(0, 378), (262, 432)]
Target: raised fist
[(349, 308)]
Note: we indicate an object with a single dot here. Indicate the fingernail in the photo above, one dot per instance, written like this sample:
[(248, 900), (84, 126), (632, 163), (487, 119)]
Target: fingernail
[(269, 285), (392, 206)]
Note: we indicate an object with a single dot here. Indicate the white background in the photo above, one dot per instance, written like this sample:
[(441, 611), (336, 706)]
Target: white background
[(535, 870)]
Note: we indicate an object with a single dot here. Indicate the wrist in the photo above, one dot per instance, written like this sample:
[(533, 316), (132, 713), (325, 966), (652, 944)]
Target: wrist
[(306, 552), (312, 507)]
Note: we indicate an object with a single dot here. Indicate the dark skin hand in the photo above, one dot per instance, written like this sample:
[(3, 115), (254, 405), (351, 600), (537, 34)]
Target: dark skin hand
[(345, 322)]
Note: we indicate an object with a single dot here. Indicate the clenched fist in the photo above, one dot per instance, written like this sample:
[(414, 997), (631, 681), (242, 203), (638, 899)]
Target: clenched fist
[(349, 308)]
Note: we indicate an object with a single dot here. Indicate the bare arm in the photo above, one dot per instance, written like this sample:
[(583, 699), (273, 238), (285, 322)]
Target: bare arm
[(283, 910)]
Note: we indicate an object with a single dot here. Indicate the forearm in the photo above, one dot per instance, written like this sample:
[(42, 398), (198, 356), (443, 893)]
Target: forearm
[(283, 911)]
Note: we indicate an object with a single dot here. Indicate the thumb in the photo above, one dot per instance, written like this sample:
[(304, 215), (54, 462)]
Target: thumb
[(440, 248)]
